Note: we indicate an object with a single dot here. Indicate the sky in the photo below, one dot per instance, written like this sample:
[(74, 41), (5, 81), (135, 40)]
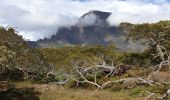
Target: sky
[(36, 19)]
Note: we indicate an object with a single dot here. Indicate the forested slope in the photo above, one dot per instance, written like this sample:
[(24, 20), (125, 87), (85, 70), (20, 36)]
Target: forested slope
[(17, 59)]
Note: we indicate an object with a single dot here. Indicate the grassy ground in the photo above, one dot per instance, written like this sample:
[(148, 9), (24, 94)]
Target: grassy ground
[(32, 91), (48, 92)]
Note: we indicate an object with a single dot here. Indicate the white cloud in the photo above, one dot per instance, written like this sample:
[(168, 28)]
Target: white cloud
[(88, 20), (41, 18), (140, 12)]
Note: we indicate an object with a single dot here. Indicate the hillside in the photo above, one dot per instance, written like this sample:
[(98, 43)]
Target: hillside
[(88, 68), (158, 31)]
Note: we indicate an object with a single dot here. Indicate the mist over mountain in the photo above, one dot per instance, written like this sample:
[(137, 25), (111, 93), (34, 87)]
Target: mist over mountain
[(92, 28), (39, 19)]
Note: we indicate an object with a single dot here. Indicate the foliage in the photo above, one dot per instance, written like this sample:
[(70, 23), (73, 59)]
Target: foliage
[(6, 61), (19, 60), (62, 57), (159, 31)]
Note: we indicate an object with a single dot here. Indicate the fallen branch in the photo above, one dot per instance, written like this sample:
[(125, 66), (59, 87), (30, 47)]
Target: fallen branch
[(163, 97), (127, 80), (161, 64)]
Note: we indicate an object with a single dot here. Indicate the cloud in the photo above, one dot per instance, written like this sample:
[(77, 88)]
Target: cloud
[(140, 12), (127, 45), (37, 19), (34, 25), (87, 20)]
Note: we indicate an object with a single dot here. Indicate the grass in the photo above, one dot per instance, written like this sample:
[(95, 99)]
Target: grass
[(48, 92), (19, 93)]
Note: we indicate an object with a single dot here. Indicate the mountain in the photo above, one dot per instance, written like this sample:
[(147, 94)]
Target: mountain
[(91, 29)]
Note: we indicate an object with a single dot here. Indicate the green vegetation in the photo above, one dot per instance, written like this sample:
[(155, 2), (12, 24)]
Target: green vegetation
[(61, 57), (17, 60), (88, 68), (159, 31)]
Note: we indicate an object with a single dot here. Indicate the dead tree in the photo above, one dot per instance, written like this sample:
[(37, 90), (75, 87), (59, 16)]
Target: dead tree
[(81, 74), (165, 61), (163, 54)]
